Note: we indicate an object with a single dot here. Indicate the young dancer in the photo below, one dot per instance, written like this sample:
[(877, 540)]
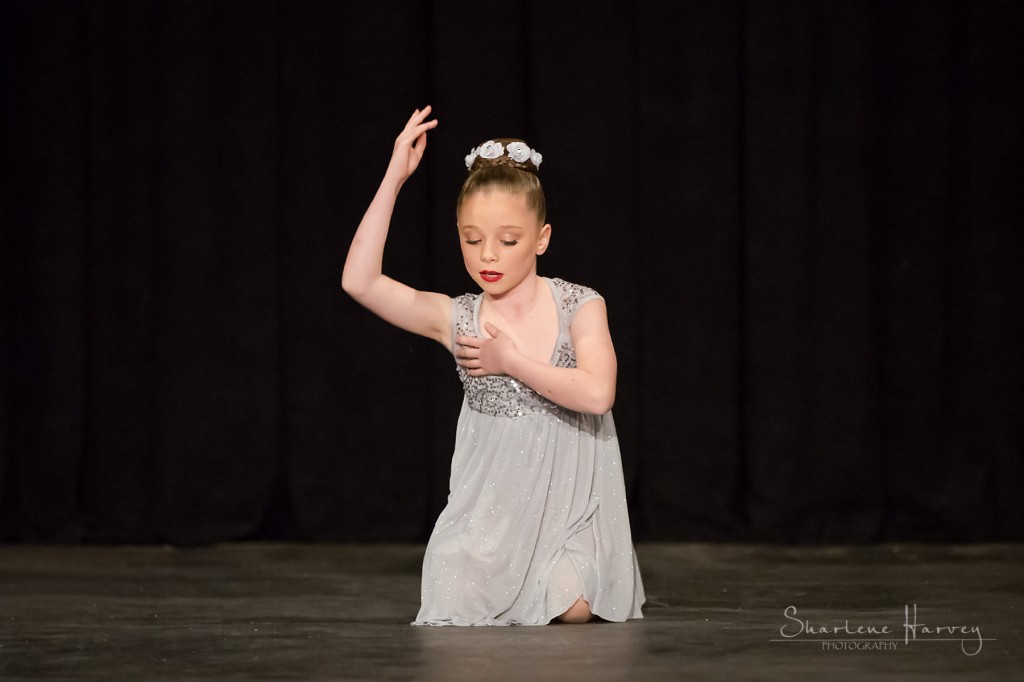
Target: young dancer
[(536, 526)]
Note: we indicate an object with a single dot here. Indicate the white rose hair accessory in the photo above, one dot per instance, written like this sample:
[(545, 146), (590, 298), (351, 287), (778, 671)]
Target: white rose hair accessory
[(516, 150), (491, 150)]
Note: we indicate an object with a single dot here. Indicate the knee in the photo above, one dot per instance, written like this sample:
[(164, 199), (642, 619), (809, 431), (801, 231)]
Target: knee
[(579, 612)]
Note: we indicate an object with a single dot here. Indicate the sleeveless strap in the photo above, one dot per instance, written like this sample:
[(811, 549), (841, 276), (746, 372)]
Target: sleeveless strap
[(573, 296), (462, 316)]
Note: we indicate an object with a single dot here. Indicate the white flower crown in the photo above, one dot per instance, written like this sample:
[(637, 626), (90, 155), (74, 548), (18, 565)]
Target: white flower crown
[(517, 151)]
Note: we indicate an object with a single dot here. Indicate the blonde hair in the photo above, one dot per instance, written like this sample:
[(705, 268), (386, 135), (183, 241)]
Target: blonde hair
[(514, 177)]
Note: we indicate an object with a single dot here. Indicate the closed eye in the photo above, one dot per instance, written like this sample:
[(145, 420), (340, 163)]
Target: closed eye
[(510, 243), (473, 242)]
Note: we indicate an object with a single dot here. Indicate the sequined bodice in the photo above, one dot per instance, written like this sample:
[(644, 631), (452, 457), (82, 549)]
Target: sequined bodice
[(503, 396)]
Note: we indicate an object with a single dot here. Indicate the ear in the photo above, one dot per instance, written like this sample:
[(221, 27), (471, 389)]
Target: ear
[(544, 239)]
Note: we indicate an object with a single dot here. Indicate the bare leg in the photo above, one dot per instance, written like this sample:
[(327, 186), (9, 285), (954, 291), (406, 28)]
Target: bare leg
[(577, 613)]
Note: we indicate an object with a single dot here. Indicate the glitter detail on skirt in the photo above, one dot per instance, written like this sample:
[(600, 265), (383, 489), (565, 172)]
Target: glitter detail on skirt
[(536, 514)]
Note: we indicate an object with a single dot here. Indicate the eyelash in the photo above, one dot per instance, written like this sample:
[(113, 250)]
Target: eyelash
[(474, 242)]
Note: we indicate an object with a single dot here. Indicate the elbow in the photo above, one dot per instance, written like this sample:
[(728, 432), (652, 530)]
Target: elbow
[(357, 282), (350, 286), (600, 401)]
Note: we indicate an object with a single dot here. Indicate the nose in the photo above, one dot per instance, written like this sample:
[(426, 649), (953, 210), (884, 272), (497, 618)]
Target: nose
[(488, 254)]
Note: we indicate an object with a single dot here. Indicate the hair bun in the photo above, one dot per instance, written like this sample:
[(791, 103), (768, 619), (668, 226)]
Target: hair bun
[(504, 151)]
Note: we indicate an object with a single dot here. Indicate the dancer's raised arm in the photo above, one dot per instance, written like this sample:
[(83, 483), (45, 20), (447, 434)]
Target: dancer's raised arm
[(424, 313)]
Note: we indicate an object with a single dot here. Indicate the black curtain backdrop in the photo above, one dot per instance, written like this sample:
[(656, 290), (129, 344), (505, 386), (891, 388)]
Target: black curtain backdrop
[(805, 217)]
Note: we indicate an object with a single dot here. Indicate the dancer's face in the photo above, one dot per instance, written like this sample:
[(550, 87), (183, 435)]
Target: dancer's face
[(501, 238)]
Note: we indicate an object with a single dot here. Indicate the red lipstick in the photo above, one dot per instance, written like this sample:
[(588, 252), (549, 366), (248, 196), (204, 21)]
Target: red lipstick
[(490, 275)]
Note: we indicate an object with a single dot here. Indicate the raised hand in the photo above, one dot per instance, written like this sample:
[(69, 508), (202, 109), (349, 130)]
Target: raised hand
[(481, 357), (410, 145)]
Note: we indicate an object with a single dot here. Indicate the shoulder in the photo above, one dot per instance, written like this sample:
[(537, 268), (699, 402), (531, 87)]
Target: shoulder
[(463, 308), (572, 296), (465, 300), (571, 287)]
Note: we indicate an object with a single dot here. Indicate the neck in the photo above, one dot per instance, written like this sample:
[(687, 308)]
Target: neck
[(516, 303)]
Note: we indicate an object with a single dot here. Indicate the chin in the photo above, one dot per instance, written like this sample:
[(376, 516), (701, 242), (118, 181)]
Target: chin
[(490, 287)]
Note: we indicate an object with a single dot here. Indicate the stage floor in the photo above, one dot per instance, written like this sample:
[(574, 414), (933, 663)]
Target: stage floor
[(342, 612)]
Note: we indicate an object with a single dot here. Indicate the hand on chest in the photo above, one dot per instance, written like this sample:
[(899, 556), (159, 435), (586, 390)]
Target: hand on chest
[(533, 329)]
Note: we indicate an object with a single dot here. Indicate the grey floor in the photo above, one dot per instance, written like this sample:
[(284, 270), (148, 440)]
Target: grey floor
[(315, 611)]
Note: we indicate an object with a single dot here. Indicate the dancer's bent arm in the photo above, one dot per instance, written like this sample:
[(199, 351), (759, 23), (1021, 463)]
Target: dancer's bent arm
[(421, 312)]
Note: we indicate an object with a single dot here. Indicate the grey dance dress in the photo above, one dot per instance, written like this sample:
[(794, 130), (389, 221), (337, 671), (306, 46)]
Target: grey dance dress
[(536, 512)]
